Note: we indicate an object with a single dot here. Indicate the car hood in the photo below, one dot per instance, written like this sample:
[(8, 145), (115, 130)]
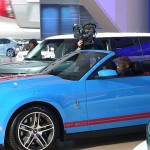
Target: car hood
[(33, 82), (48, 88), (23, 67)]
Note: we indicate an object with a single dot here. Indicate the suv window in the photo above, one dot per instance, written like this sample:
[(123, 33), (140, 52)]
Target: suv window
[(126, 46), (145, 44), (4, 41), (53, 48)]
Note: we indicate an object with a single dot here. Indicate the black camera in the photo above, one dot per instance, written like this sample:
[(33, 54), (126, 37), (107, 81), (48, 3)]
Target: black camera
[(79, 33)]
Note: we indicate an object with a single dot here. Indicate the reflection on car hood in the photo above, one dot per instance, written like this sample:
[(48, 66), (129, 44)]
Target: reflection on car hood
[(18, 76), (23, 67)]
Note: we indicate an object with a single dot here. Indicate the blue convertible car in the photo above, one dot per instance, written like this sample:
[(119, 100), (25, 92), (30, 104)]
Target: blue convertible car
[(77, 96)]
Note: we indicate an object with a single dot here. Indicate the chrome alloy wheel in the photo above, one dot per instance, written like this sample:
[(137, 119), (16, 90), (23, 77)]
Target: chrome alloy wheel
[(10, 53), (36, 131)]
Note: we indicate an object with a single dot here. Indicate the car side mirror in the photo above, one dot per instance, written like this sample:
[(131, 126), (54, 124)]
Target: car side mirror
[(107, 73)]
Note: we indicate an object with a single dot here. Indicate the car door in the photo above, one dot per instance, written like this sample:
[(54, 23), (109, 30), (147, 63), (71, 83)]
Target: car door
[(3, 46), (118, 102)]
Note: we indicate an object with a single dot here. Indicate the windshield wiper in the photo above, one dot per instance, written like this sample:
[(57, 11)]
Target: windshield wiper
[(49, 59)]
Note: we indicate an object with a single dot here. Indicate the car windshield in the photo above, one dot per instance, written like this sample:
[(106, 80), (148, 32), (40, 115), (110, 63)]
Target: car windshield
[(50, 49), (74, 65)]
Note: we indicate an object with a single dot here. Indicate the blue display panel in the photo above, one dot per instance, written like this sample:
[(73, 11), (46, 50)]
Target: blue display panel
[(58, 19)]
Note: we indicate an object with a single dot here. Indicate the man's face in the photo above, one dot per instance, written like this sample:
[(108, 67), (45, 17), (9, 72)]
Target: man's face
[(31, 46), (122, 66), (90, 31)]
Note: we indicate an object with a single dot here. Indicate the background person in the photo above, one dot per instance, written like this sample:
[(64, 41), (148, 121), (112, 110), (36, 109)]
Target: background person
[(88, 39), (32, 44), (89, 30), (90, 42)]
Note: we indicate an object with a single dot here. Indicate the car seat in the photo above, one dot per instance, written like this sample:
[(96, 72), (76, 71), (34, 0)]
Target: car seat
[(111, 65), (146, 67), (137, 68)]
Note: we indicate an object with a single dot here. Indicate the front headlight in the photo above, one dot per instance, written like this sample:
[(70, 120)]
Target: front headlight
[(17, 49)]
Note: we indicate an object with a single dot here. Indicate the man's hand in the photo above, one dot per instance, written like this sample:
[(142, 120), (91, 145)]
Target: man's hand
[(80, 43)]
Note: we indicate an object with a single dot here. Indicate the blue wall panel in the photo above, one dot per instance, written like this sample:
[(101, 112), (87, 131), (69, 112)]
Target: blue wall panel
[(58, 19)]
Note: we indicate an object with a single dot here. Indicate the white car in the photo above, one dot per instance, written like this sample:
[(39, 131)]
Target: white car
[(8, 47), (20, 19), (141, 146)]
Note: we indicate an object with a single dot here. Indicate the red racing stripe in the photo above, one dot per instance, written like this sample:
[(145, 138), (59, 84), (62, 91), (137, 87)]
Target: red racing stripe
[(107, 120)]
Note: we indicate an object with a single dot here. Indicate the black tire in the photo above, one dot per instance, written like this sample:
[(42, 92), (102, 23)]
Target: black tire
[(10, 53), (34, 128)]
